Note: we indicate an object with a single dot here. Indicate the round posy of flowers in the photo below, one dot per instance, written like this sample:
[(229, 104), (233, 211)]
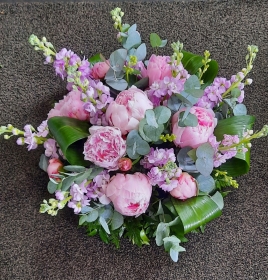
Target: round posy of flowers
[(105, 146), (128, 109), (129, 193)]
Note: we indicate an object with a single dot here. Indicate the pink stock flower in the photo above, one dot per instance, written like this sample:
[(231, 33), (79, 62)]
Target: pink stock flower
[(186, 187), (71, 106), (100, 69), (194, 136), (158, 68), (128, 109), (105, 146), (54, 166), (129, 193)]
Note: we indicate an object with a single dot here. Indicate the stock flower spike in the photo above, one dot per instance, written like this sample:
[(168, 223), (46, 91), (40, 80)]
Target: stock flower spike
[(142, 149)]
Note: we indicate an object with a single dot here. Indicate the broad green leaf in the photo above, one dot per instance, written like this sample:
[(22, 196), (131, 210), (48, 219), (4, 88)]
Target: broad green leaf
[(95, 58), (82, 219), (196, 211), (70, 135), (193, 62), (155, 40), (74, 168), (236, 125), (144, 238), (142, 83)]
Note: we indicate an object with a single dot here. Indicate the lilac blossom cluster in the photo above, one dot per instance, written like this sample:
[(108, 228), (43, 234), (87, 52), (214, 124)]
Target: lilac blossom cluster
[(160, 91), (81, 194), (163, 169), (97, 98), (213, 94), (79, 76), (225, 149)]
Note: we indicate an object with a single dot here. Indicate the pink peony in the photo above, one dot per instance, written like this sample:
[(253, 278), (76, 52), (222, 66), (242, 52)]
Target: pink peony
[(105, 146), (54, 166), (128, 109), (71, 106), (129, 193), (100, 69), (158, 68), (186, 187), (194, 136)]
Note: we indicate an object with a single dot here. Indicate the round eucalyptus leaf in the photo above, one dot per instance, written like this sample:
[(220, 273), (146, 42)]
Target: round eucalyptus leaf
[(206, 184), (162, 114), (240, 110)]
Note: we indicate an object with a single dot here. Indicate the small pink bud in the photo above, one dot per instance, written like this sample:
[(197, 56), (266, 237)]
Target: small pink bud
[(55, 165), (124, 164)]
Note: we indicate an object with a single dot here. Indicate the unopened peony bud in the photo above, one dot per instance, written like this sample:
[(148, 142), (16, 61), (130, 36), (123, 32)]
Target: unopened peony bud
[(124, 164)]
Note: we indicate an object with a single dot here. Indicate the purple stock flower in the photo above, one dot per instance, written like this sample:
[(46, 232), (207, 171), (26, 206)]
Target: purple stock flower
[(50, 148), (29, 137)]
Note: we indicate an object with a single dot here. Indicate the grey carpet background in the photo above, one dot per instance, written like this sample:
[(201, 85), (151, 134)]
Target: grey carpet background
[(37, 246)]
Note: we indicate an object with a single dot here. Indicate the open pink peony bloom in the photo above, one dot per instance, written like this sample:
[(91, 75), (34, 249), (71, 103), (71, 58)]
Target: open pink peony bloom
[(186, 187), (158, 68), (100, 69), (194, 136), (128, 109), (71, 106), (129, 193), (105, 146)]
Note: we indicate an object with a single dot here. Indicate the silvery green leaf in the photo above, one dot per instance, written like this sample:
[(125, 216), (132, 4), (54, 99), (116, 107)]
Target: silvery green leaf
[(191, 99), (122, 34), (162, 114), (74, 168), (132, 153), (206, 184), (43, 163), (104, 224), (117, 220), (160, 210), (110, 75), (174, 103), (218, 199), (141, 52), (96, 170), (240, 110), (83, 176), (219, 116), (185, 162), (86, 209), (51, 187), (197, 93), (92, 216), (236, 92), (150, 118), (174, 254), (132, 28), (204, 162), (152, 132), (143, 148), (141, 131), (105, 213), (82, 219), (133, 40), (183, 97), (119, 85), (174, 222), (190, 120), (67, 182), (163, 43), (192, 83), (162, 231), (117, 59), (230, 102)]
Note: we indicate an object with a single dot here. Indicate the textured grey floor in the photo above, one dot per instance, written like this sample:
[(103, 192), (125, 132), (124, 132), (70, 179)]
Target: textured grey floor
[(37, 246)]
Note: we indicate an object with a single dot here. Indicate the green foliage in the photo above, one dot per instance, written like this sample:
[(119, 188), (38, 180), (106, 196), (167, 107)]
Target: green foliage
[(236, 125), (156, 41), (204, 161), (69, 132), (196, 211)]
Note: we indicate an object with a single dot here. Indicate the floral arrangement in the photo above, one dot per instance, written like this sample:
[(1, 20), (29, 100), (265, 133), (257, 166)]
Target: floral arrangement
[(140, 148)]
